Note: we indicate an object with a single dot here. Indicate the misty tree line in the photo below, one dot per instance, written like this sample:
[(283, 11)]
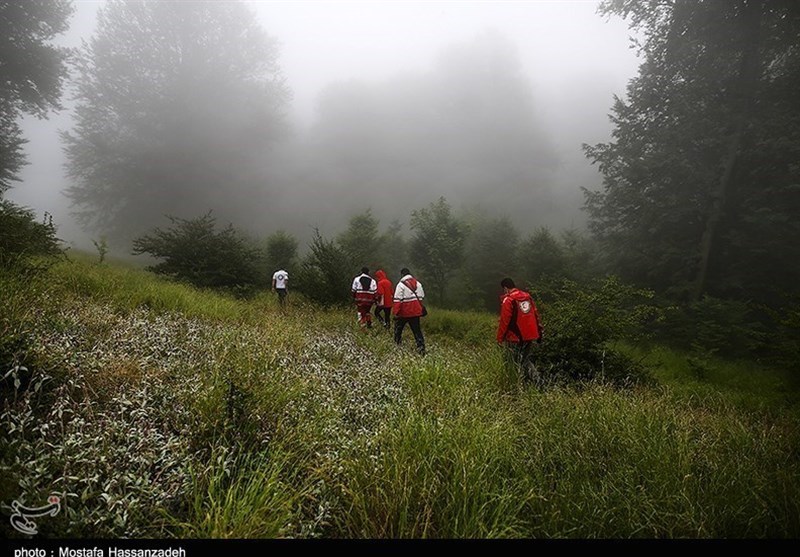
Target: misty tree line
[(460, 258), (181, 107)]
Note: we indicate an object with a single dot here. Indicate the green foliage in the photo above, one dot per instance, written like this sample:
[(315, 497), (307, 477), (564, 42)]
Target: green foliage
[(580, 322), (393, 250), (437, 247), (21, 237), (360, 242), (242, 496), (281, 251), (786, 335), (490, 255), (194, 251), (728, 328), (336, 434), (325, 274), (700, 179), (33, 71), (542, 256)]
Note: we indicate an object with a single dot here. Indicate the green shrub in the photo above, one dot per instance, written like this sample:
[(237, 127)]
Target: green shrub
[(325, 274), (730, 328), (21, 237), (581, 321), (194, 251)]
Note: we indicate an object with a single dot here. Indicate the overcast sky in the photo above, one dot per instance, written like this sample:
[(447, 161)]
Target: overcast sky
[(562, 44)]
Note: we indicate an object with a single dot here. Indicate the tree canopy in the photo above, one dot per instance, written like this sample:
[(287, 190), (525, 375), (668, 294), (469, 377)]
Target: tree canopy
[(702, 177), (32, 71), (177, 104), (437, 246)]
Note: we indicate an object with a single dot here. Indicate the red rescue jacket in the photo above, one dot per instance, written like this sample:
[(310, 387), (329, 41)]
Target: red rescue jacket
[(385, 290), (519, 319), (408, 297)]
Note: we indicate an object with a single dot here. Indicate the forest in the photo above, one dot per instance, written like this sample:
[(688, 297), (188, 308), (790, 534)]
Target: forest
[(156, 386)]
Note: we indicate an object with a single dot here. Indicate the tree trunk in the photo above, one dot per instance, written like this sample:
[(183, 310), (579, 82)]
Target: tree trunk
[(749, 73)]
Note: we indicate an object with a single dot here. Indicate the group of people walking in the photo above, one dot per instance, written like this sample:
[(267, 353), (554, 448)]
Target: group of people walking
[(405, 302), (518, 328)]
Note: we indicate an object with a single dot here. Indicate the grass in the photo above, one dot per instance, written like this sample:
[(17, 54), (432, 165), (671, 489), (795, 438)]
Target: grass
[(160, 410)]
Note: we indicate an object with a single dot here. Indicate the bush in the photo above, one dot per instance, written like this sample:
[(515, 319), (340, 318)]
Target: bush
[(581, 321), (325, 274), (21, 237), (730, 328), (195, 252), (785, 340)]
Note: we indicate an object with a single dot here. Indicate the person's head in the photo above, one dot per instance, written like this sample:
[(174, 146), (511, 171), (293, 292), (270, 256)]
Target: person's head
[(404, 271), (507, 284), (364, 270)]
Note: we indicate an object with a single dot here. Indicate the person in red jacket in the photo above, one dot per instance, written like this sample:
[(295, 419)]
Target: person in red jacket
[(519, 324), (408, 308), (364, 290), (383, 306)]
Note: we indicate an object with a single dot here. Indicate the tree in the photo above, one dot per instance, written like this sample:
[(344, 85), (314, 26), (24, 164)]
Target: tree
[(281, 251), (393, 250), (361, 241), (194, 251), (701, 179), (467, 125), (542, 257), (437, 247), (325, 273), (490, 256), (32, 71), (177, 104)]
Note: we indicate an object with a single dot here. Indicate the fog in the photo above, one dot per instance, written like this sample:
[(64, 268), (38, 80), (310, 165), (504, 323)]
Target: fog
[(395, 104)]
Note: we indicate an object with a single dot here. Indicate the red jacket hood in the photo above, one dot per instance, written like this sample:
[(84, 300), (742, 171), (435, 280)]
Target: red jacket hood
[(380, 275)]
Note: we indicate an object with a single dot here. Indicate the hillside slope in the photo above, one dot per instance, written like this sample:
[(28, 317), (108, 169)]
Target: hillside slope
[(159, 410)]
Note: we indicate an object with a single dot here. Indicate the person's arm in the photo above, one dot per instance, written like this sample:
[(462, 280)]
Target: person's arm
[(273, 284), (505, 319), (420, 291)]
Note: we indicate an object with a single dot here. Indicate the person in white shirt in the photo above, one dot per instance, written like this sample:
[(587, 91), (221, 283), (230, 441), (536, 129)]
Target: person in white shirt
[(365, 291), (280, 284)]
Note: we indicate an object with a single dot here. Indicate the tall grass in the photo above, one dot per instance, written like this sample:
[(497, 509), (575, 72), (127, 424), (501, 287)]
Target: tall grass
[(244, 421), (249, 495)]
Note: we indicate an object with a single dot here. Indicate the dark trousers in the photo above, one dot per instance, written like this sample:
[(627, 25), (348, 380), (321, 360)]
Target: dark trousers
[(385, 317), (281, 296), (518, 355), (413, 322)]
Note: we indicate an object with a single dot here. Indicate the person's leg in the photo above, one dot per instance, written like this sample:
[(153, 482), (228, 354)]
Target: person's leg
[(386, 319), (378, 314), (399, 324), (413, 322), (524, 358), (363, 315)]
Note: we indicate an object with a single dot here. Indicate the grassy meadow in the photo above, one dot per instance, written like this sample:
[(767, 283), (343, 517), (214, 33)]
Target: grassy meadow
[(159, 410)]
